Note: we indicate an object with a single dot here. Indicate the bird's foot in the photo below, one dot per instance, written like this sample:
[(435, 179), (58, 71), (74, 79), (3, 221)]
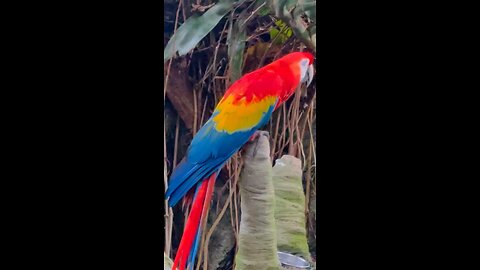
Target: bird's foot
[(254, 139), (254, 136), (257, 134)]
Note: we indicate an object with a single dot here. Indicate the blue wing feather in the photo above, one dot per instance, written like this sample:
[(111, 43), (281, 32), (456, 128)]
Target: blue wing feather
[(208, 152)]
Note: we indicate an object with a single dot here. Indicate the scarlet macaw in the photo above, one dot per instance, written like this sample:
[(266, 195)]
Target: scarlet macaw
[(246, 106)]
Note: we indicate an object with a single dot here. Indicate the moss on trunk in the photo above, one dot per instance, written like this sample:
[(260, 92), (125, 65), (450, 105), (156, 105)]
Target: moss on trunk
[(257, 239), (290, 207)]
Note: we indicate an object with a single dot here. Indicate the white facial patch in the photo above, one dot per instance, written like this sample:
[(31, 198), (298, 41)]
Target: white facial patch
[(304, 63), (306, 71)]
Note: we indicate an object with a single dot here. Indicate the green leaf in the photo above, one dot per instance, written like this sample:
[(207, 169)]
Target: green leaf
[(285, 32), (235, 52), (311, 10), (308, 7), (195, 28), (236, 45), (290, 4), (291, 12), (263, 11)]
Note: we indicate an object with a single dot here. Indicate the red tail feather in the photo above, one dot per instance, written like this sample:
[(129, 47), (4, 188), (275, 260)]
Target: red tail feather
[(208, 198), (199, 211)]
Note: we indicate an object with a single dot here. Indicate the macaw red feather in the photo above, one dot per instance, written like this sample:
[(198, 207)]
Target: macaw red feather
[(197, 217)]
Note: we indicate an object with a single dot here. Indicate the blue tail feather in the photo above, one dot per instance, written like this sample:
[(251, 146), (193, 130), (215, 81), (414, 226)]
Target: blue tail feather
[(193, 252), (183, 170), (184, 186)]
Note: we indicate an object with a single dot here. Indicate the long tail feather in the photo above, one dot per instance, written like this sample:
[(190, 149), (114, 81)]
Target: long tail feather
[(193, 252), (203, 219), (181, 183), (192, 231)]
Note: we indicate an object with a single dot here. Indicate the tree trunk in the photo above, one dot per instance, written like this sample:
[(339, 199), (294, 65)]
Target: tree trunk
[(290, 207), (257, 247)]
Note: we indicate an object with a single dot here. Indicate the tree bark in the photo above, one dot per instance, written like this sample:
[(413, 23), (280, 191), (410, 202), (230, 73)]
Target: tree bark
[(180, 92), (257, 247), (290, 207)]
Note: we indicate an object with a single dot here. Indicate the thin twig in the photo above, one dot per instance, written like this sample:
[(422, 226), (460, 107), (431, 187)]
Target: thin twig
[(262, 60), (175, 147), (253, 12)]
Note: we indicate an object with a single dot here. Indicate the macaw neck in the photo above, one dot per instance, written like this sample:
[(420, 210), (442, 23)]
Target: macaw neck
[(290, 75)]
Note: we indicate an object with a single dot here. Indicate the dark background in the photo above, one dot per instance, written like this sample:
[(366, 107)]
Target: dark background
[(85, 141)]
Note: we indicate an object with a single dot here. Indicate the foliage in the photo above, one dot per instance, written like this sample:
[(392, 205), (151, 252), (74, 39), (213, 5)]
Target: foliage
[(300, 16), (282, 34), (195, 29)]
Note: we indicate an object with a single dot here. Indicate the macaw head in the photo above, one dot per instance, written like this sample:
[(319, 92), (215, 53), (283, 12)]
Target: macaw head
[(300, 66), (299, 70), (306, 68)]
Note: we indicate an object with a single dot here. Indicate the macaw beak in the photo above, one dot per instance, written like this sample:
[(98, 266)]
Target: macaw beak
[(310, 74)]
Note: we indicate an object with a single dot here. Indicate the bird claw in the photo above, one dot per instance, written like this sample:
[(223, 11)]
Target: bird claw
[(254, 136), (254, 139), (257, 134)]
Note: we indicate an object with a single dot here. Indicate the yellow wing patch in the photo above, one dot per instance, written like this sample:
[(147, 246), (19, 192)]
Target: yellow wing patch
[(241, 115)]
